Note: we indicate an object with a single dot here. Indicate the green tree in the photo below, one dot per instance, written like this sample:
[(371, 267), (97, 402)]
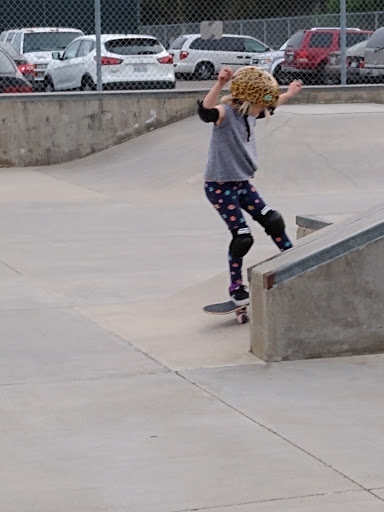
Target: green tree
[(189, 11), (353, 5)]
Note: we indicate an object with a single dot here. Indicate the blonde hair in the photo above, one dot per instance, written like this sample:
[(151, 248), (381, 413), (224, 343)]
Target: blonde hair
[(243, 107)]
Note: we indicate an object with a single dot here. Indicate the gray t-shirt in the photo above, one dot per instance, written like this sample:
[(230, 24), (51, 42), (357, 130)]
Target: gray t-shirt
[(232, 152)]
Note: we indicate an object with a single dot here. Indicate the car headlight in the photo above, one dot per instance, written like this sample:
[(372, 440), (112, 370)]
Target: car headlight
[(265, 61)]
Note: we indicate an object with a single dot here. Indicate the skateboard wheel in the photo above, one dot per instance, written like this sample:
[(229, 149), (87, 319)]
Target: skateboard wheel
[(242, 318)]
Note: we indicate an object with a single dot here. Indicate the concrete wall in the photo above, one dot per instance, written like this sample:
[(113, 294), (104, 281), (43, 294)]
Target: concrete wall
[(44, 129), (341, 94), (325, 296)]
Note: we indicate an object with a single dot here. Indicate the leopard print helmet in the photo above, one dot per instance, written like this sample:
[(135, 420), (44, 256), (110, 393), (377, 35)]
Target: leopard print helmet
[(255, 86)]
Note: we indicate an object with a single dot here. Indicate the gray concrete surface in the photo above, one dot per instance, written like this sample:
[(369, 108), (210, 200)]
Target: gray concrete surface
[(117, 393), (329, 408), (45, 129)]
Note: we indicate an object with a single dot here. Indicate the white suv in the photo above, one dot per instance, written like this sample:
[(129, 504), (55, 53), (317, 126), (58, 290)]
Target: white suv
[(37, 45), (127, 61), (271, 61), (374, 57), (203, 58)]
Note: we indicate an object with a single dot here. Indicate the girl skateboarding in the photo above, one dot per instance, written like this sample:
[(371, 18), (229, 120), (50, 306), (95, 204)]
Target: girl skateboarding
[(232, 161)]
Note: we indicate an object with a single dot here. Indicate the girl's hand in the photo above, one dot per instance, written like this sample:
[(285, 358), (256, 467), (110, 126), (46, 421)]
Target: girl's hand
[(225, 75), (294, 88)]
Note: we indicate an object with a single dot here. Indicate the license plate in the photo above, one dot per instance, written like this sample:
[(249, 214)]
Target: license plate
[(353, 64), (139, 68)]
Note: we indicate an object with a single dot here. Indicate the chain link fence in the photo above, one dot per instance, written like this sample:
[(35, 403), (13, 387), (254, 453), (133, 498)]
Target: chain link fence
[(138, 44)]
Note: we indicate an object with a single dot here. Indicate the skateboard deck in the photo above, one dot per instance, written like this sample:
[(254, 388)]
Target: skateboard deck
[(226, 308)]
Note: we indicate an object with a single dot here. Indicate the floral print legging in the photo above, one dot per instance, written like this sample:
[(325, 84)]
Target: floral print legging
[(229, 199)]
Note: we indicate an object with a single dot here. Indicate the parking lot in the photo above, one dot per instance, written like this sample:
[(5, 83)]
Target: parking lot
[(66, 59), (193, 85)]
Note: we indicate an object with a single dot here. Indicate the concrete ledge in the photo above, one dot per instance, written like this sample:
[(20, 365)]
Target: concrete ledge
[(341, 94), (307, 224), (325, 296), (44, 129)]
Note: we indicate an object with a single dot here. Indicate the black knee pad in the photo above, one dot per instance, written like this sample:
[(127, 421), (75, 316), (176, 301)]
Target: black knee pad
[(272, 222), (241, 243)]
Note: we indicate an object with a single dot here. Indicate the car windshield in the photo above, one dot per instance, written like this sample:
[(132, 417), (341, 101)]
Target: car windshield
[(48, 41), (12, 52), (282, 48), (358, 46), (296, 39), (178, 43), (377, 39), (142, 46), (7, 66)]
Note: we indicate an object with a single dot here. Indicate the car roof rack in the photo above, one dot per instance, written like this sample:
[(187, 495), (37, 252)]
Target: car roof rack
[(334, 28)]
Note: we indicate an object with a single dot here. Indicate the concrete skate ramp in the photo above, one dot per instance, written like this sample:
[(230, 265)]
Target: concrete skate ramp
[(127, 239), (325, 296)]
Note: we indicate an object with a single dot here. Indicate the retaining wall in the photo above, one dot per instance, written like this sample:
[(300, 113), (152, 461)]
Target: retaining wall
[(44, 129)]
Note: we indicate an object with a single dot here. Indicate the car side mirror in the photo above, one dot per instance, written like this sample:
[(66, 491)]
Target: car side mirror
[(57, 56)]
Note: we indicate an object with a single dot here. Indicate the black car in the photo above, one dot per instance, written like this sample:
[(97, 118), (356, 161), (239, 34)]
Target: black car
[(25, 68), (11, 80)]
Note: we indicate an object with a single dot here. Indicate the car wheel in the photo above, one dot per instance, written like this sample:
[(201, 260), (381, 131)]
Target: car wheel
[(320, 74), (331, 80), (48, 84), (279, 76), (87, 84), (204, 71)]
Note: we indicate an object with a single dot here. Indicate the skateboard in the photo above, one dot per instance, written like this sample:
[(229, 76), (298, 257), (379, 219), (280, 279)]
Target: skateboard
[(225, 308)]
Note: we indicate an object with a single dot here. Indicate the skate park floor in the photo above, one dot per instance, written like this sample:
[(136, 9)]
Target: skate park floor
[(117, 392)]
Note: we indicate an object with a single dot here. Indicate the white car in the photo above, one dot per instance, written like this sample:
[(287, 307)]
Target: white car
[(203, 58), (271, 61), (374, 57), (37, 45), (127, 61)]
